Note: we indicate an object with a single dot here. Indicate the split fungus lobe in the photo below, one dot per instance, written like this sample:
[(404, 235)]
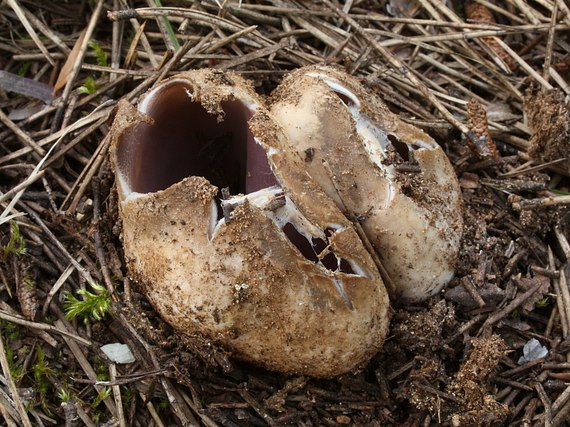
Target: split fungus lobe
[(233, 215), (392, 176)]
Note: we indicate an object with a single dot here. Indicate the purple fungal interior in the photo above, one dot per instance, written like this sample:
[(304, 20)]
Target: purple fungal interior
[(185, 140)]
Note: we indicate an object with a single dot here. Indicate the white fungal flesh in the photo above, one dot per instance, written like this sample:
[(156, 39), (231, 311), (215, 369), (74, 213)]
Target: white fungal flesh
[(337, 87), (124, 185), (358, 270), (425, 145), (214, 222)]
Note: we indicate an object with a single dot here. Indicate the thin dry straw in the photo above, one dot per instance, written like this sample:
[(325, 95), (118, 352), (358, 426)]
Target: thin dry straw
[(24, 20), (37, 171)]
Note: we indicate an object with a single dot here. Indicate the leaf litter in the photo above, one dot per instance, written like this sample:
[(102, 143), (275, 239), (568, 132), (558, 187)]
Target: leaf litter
[(471, 75)]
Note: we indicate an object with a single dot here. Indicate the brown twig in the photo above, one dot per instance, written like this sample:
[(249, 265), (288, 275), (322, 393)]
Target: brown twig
[(399, 66), (519, 300), (25, 22), (546, 404), (542, 202)]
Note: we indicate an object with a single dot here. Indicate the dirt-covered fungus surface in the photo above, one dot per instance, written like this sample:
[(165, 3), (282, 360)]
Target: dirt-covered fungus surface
[(489, 81)]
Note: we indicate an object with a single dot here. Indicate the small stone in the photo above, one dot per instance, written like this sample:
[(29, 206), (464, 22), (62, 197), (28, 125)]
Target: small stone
[(118, 353), (532, 350)]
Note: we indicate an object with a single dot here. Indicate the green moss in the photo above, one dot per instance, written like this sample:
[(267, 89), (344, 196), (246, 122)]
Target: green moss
[(100, 55), (42, 372), (93, 304), (88, 87), (16, 245)]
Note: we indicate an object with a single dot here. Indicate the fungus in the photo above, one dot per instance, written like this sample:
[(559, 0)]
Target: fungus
[(390, 175), (231, 240)]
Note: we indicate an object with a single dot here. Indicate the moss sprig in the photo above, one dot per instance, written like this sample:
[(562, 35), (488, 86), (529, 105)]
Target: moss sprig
[(93, 304), (16, 245)]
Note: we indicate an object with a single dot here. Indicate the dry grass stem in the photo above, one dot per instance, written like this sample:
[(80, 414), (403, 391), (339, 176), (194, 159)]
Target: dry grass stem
[(26, 23), (15, 393)]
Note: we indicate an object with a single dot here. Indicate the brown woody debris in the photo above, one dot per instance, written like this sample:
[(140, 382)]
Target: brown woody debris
[(482, 145), (26, 290), (470, 385), (421, 332), (549, 119)]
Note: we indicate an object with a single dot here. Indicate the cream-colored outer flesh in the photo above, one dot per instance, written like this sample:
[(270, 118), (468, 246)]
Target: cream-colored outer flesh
[(242, 283), (414, 221)]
